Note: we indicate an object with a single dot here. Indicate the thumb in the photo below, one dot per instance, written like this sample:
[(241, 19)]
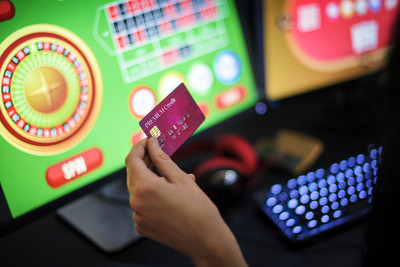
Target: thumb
[(163, 162)]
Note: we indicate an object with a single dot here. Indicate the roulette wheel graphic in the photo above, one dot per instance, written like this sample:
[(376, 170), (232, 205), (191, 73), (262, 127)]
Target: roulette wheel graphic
[(51, 89)]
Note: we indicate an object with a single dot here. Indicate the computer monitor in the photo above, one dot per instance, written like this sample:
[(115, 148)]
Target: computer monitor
[(77, 76), (311, 44)]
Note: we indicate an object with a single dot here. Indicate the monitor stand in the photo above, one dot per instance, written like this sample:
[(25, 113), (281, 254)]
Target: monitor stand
[(104, 217)]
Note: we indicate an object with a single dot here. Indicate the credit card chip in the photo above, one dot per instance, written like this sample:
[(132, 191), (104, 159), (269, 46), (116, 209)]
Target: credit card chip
[(155, 132)]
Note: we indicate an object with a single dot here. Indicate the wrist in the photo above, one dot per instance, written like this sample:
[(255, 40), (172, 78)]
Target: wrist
[(220, 249)]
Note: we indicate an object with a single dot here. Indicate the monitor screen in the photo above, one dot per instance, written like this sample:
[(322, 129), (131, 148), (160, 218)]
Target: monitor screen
[(77, 76), (311, 44)]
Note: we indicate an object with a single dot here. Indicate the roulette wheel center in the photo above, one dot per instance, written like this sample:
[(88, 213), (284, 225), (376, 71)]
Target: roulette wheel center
[(45, 89)]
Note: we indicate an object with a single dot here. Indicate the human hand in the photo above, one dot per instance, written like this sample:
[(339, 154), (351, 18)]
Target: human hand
[(174, 211)]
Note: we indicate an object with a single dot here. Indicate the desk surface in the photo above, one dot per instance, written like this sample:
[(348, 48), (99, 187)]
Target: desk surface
[(345, 132)]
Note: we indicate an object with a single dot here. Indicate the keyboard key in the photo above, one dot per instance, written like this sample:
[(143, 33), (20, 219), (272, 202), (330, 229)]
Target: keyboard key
[(271, 201), (290, 222), (332, 197), (320, 173), (301, 180), (331, 179), (340, 177), (300, 210), (276, 189), (314, 205), (304, 199), (325, 219), (323, 192), (297, 229), (292, 204), (277, 209), (311, 176), (341, 194), (292, 183), (351, 162), (337, 214), (312, 224), (325, 209), (334, 168), (309, 215), (312, 186), (322, 183), (314, 195), (333, 188), (294, 193), (284, 216), (335, 205), (360, 159), (303, 190), (343, 165), (344, 202)]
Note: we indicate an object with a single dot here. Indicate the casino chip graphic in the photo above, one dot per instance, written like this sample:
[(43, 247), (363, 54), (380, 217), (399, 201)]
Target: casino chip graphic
[(51, 89)]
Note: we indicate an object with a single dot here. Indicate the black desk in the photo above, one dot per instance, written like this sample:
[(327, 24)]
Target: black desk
[(50, 242)]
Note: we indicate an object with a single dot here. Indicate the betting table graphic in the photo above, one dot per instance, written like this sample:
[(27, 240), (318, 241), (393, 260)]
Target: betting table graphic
[(77, 76), (325, 42), (166, 32)]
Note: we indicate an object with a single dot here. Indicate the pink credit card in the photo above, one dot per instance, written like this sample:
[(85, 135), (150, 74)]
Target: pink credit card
[(173, 120)]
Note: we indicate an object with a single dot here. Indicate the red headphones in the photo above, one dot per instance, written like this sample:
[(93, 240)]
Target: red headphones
[(232, 152), (228, 156)]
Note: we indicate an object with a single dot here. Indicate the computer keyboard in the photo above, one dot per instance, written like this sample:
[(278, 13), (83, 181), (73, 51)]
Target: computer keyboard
[(323, 199)]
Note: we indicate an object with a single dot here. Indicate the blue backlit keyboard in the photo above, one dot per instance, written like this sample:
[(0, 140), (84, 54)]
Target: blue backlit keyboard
[(318, 201)]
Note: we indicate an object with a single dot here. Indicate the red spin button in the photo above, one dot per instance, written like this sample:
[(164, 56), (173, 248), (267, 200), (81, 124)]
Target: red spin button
[(7, 10), (72, 168), (230, 97)]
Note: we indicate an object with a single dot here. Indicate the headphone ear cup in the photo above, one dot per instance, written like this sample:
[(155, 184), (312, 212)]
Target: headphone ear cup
[(233, 162), (217, 163), (239, 151), (220, 180)]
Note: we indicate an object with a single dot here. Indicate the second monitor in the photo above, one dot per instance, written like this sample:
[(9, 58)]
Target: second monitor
[(311, 44)]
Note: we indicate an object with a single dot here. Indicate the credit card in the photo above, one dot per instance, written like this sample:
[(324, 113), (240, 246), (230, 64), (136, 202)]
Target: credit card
[(173, 120)]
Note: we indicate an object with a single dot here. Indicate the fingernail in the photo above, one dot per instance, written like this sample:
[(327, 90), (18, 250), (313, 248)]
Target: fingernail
[(153, 141)]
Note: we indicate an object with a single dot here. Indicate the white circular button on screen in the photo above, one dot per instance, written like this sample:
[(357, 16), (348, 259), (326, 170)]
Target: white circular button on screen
[(227, 67), (200, 78), (142, 101)]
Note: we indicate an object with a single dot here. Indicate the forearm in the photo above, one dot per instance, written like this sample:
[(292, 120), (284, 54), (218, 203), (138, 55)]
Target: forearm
[(220, 249)]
